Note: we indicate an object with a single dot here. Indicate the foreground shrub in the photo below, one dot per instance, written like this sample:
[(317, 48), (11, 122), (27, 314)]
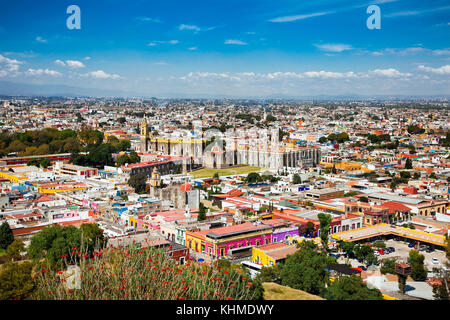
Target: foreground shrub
[(133, 274), (15, 280)]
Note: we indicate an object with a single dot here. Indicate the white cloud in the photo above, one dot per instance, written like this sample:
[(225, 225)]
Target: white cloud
[(414, 13), (269, 76), (41, 40), (155, 43), (237, 42), (9, 66), (147, 19), (299, 17), (87, 58), (390, 73), (100, 74), (412, 51), (329, 75), (39, 72), (334, 47), (188, 27), (192, 48), (442, 70), (441, 52), (61, 63), (75, 64)]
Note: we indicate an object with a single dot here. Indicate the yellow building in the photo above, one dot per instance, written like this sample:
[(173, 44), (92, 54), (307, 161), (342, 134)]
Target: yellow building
[(58, 188), (271, 254), (13, 177), (346, 166)]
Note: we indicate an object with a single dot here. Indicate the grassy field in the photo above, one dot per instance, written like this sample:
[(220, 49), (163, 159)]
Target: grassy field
[(273, 291), (208, 173)]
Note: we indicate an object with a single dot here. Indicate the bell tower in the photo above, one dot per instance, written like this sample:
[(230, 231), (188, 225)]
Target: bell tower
[(144, 135)]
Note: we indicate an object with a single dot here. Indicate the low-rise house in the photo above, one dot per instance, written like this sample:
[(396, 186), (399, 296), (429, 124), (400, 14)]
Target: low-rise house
[(218, 241), (272, 254)]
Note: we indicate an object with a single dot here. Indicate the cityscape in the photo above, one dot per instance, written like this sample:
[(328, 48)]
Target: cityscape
[(191, 151)]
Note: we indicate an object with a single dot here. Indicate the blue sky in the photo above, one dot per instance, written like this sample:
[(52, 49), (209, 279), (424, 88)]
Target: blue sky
[(233, 47)]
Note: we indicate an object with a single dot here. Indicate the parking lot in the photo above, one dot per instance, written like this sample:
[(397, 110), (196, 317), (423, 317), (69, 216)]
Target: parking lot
[(402, 252)]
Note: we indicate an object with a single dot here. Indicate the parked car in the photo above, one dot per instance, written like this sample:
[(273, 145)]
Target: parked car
[(391, 249), (411, 245), (435, 261), (429, 249), (363, 268), (423, 248), (381, 251), (376, 253)]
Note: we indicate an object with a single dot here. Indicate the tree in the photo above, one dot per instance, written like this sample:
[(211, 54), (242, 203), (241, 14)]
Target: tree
[(388, 266), (15, 249), (414, 129), (348, 248), (393, 186), (408, 164), (122, 160), (201, 213), (6, 235), (138, 182), (325, 220), (79, 117), (16, 281), (92, 236), (33, 162), (253, 177), (305, 270), (416, 260), (123, 145), (52, 242), (333, 169), (351, 288), (216, 175), (323, 139), (364, 199), (270, 274), (134, 157), (44, 163), (365, 253), (440, 292), (296, 179), (379, 244), (405, 175), (339, 138), (306, 229)]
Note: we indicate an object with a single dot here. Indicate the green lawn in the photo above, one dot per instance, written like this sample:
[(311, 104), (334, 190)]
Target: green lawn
[(209, 173), (273, 291)]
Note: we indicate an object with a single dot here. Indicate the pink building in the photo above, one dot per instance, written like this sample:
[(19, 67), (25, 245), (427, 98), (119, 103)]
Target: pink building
[(218, 241)]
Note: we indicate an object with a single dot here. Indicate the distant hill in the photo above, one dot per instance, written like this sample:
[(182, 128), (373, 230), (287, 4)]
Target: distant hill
[(273, 291), (8, 88)]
